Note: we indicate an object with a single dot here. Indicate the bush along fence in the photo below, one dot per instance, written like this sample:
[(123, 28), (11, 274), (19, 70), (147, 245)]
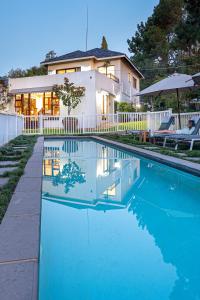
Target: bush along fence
[(11, 125), (91, 124)]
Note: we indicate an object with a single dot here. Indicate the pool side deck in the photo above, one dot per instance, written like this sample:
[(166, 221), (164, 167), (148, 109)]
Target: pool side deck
[(19, 233)]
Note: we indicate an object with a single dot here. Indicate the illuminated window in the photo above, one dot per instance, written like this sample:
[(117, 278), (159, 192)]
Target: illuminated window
[(69, 70), (37, 103), (18, 104), (107, 70)]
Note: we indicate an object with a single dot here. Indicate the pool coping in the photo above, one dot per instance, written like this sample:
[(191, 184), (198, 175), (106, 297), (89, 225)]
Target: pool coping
[(20, 233), (20, 228), (177, 163)]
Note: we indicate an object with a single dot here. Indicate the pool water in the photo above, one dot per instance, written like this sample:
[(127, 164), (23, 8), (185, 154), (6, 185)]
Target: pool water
[(116, 226)]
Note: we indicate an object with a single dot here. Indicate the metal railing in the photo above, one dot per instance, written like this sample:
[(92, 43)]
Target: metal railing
[(11, 125), (91, 124)]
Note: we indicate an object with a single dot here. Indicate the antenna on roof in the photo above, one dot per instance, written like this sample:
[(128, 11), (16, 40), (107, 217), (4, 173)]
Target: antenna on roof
[(86, 38)]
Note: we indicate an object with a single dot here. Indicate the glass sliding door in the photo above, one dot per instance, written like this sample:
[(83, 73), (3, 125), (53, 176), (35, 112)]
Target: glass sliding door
[(37, 103)]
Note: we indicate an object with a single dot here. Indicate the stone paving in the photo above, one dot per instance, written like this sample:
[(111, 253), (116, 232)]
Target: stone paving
[(7, 169), (5, 163), (19, 234)]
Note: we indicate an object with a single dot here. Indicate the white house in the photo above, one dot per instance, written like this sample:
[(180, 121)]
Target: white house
[(107, 76)]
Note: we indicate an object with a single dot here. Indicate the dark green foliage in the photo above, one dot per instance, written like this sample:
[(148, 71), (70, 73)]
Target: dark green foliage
[(69, 94), (50, 55), (125, 107), (104, 44), (33, 71), (14, 176), (168, 42)]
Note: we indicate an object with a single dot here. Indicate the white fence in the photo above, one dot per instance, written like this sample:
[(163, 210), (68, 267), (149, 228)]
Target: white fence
[(11, 125), (87, 124), (185, 117)]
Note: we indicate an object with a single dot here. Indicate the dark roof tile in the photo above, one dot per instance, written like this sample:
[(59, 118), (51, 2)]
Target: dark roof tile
[(96, 52)]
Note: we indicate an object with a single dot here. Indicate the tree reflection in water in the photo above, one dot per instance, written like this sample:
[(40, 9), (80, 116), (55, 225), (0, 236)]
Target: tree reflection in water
[(69, 176)]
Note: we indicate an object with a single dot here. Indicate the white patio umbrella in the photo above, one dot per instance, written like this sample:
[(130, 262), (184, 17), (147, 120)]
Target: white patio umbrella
[(196, 78), (172, 84)]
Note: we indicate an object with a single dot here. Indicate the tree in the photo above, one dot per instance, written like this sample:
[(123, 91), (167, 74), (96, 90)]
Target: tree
[(50, 55), (33, 71), (104, 44), (168, 42), (125, 107), (16, 73), (69, 176), (5, 98), (69, 94)]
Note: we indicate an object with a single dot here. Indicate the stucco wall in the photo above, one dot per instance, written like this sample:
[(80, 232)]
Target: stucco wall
[(93, 81), (127, 89), (85, 65)]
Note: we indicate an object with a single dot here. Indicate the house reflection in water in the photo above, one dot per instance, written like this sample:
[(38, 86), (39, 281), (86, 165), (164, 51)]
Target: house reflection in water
[(88, 174)]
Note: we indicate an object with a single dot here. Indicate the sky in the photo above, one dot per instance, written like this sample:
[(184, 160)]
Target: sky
[(31, 28)]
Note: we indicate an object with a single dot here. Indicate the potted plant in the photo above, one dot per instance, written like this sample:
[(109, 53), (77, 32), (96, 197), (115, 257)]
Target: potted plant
[(70, 95)]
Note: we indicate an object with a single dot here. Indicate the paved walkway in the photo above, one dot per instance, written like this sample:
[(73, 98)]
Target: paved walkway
[(19, 234)]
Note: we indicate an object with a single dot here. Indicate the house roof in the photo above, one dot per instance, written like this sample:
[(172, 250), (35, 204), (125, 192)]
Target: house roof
[(96, 53)]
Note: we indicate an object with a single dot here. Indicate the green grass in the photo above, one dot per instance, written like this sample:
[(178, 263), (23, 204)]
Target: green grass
[(8, 153), (136, 125)]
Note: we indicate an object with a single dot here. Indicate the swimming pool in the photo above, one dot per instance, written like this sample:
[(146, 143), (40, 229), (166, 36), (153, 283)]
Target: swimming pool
[(116, 226)]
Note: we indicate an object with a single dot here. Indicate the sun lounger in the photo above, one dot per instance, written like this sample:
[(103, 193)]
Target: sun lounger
[(165, 125), (184, 138)]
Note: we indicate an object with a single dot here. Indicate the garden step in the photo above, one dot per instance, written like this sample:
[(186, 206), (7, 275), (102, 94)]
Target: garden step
[(193, 158), (181, 154), (20, 147), (3, 181), (6, 163), (151, 148), (7, 169)]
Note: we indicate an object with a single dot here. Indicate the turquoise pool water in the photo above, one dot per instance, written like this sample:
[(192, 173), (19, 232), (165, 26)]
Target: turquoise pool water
[(116, 226)]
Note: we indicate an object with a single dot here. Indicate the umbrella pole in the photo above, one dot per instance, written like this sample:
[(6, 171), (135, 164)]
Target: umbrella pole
[(178, 107)]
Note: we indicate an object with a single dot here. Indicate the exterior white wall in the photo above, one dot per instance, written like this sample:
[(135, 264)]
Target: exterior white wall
[(85, 65), (11, 125), (127, 89), (122, 69), (95, 83)]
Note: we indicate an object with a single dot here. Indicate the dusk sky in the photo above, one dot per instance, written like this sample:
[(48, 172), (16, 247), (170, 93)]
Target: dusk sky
[(29, 29)]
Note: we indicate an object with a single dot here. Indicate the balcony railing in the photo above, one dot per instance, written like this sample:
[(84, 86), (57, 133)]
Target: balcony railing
[(113, 77)]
